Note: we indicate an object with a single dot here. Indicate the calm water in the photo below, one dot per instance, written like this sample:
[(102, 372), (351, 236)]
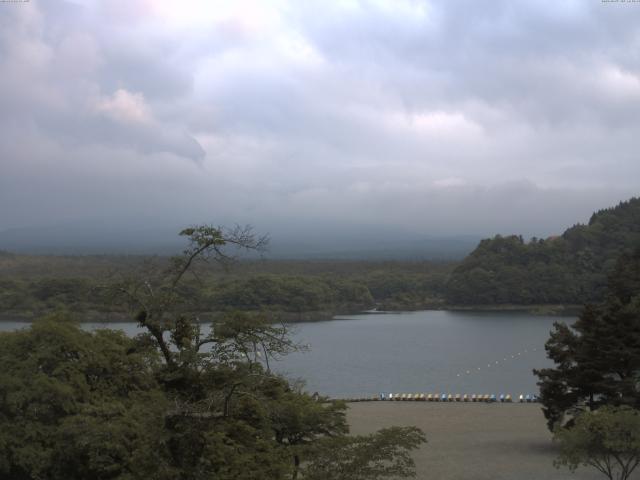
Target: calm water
[(429, 351)]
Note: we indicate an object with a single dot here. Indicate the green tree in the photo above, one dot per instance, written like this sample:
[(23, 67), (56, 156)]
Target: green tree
[(607, 440), (78, 405), (178, 401), (597, 358), (380, 455), (222, 381)]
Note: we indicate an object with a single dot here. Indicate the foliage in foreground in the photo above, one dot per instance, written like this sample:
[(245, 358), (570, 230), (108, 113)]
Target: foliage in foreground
[(383, 454), (178, 401), (607, 439), (597, 358), (78, 405)]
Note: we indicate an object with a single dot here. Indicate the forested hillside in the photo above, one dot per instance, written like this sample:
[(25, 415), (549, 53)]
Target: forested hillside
[(32, 286), (568, 269)]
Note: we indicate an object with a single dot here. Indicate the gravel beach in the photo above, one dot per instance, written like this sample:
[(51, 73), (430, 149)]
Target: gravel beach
[(472, 441)]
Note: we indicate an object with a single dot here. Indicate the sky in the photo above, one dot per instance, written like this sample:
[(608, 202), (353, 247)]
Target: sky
[(416, 118)]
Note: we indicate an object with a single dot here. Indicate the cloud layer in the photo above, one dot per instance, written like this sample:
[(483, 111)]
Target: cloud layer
[(414, 116)]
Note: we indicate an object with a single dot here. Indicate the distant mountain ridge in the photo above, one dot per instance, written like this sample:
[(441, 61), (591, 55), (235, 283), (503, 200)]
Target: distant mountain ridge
[(567, 269), (91, 238)]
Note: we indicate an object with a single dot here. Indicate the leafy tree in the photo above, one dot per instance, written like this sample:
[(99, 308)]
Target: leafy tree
[(377, 456), (607, 440), (597, 358), (228, 388), (77, 405), (176, 402)]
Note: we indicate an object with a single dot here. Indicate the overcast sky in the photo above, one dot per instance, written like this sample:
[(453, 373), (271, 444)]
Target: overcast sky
[(420, 117)]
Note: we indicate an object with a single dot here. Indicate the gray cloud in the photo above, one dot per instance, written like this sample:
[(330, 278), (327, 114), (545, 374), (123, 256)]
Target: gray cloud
[(410, 116)]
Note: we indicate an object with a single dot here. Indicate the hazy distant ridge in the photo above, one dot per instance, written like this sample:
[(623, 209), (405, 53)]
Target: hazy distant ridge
[(362, 244)]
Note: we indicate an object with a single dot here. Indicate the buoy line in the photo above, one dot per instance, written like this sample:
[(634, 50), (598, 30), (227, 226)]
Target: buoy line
[(497, 362)]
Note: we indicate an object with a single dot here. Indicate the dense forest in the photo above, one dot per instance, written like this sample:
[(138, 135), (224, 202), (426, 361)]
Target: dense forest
[(570, 269), (31, 286), (176, 402), (567, 269)]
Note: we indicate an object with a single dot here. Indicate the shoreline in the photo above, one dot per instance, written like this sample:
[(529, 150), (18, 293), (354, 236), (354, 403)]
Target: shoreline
[(93, 316)]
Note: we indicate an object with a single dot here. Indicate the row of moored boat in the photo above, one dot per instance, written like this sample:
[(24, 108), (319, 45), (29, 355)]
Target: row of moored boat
[(449, 397)]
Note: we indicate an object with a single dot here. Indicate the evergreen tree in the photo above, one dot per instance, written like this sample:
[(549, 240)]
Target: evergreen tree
[(598, 357)]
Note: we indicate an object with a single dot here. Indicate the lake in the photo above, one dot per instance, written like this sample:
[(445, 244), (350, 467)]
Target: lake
[(426, 351)]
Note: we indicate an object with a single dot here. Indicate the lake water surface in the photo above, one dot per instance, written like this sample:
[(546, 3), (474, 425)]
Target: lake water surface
[(426, 351)]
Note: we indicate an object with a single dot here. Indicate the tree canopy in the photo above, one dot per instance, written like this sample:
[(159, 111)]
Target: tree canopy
[(178, 401), (77, 405), (597, 358), (607, 440), (568, 269)]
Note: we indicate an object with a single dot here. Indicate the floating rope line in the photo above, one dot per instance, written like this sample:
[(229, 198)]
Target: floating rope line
[(497, 362)]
